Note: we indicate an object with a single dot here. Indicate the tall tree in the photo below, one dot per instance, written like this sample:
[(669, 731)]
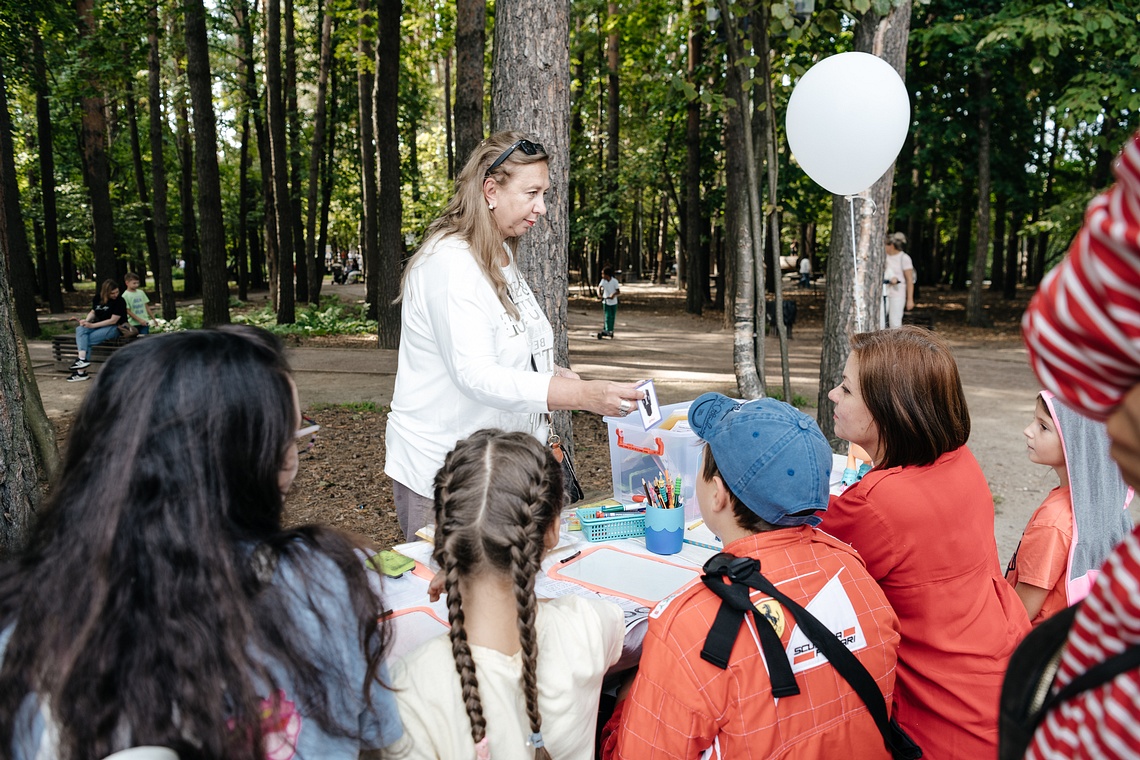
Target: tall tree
[(215, 286), (846, 313), (46, 152), (390, 243), (314, 258), (694, 287), (276, 127), (609, 246), (156, 126), (191, 248), (365, 83), (470, 41), (975, 316), (530, 92), (140, 180), (293, 118), (96, 170), (13, 233)]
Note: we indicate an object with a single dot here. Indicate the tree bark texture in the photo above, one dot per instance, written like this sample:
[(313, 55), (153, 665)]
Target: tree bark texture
[(530, 92), (140, 181), (13, 233), (47, 175), (609, 243), (283, 208), (96, 171), (314, 259), (215, 280), (738, 230), (191, 250), (365, 83), (293, 118), (163, 274), (695, 289), (390, 242), (975, 314), (27, 441), (845, 315), (470, 43)]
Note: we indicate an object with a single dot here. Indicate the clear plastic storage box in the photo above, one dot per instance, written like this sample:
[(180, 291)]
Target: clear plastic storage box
[(637, 454)]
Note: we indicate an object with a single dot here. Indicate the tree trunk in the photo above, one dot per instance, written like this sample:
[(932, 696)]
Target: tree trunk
[(215, 279), (959, 266), (28, 453), (1012, 270), (286, 308), (694, 291), (530, 92), (997, 267), (191, 259), (47, 175), (269, 201), (328, 166), (313, 258), (13, 233), (389, 216), (608, 252), (770, 141), (975, 313), (162, 275), (448, 119), (140, 180), (366, 83), (854, 297), (293, 118), (96, 171), (470, 41), (738, 229)]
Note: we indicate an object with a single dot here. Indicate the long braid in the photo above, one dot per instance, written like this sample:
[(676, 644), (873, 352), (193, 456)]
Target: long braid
[(461, 652), (496, 497), (526, 553)]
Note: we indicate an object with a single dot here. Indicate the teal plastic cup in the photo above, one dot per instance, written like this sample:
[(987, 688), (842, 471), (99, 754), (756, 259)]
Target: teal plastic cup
[(664, 530)]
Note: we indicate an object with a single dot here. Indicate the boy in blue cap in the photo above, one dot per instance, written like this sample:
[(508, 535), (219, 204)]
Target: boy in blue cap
[(764, 477)]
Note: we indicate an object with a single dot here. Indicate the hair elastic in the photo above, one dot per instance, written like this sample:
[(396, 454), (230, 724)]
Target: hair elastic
[(483, 749), (536, 740)]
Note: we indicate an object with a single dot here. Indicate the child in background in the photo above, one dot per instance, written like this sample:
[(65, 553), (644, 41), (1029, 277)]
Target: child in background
[(514, 676), (1080, 521), (139, 310), (608, 290)]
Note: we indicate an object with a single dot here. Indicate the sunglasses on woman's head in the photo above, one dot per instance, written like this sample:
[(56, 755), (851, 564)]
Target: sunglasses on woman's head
[(526, 146)]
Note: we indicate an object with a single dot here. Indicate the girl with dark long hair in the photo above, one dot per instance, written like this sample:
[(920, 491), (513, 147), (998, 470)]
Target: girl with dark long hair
[(161, 602)]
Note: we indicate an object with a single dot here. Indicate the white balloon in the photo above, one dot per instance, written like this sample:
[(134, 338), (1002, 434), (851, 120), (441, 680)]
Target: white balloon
[(847, 119)]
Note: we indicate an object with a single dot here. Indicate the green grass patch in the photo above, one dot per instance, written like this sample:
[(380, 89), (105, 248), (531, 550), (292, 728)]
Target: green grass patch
[(331, 318), (52, 329)]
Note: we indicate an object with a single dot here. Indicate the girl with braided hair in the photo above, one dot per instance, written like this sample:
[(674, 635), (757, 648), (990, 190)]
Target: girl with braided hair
[(515, 677)]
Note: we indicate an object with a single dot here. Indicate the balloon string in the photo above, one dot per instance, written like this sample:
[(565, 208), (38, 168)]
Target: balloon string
[(855, 267)]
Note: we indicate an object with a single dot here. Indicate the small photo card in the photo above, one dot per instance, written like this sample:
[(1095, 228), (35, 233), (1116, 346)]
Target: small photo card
[(648, 407)]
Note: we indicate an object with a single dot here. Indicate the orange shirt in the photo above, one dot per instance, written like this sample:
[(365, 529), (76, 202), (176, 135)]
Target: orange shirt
[(927, 536), (680, 704), (1042, 557)]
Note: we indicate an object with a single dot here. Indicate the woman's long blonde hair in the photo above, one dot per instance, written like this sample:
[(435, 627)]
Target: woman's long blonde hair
[(468, 217)]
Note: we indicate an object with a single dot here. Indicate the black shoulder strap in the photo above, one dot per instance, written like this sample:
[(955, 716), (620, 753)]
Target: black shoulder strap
[(745, 572), (1097, 675)]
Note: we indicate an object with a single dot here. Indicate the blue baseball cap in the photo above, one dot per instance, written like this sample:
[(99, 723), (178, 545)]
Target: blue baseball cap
[(770, 454)]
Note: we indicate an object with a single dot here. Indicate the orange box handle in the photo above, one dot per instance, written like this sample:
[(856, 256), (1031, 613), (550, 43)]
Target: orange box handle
[(640, 449)]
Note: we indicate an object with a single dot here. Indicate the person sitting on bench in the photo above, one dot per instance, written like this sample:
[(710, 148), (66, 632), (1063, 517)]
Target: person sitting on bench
[(108, 311)]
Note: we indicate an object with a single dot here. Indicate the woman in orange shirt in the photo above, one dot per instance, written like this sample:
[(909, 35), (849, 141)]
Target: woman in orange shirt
[(923, 521)]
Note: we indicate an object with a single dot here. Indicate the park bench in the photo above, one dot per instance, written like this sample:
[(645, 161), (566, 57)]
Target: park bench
[(64, 353)]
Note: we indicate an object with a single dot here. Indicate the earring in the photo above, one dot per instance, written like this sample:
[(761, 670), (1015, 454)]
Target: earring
[(491, 206)]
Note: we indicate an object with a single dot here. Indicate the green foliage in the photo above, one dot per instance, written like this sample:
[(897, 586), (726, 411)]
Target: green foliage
[(360, 407)]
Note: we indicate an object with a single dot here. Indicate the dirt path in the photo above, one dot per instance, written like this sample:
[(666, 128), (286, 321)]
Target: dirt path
[(685, 355)]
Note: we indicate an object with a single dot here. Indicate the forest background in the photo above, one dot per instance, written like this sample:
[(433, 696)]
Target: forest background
[(212, 146)]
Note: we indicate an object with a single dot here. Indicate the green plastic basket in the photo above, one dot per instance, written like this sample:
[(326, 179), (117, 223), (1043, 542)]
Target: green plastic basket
[(611, 527)]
